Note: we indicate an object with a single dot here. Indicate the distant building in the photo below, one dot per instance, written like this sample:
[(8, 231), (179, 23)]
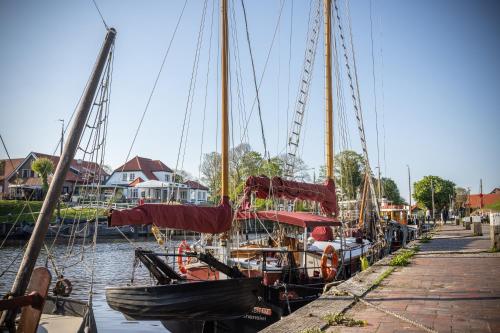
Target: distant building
[(18, 181), (197, 193), (142, 179), (474, 200)]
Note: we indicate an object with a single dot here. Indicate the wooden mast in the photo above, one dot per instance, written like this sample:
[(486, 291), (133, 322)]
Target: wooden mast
[(42, 224), (327, 12), (225, 106)]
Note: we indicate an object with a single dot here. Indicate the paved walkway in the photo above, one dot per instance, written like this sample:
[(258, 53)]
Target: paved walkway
[(451, 285)]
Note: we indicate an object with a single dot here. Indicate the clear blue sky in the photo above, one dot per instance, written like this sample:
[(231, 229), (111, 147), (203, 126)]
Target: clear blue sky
[(440, 72)]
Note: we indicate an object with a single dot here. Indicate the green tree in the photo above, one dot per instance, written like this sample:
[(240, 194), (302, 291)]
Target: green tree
[(390, 190), (43, 167), (443, 189), (211, 175), (349, 172)]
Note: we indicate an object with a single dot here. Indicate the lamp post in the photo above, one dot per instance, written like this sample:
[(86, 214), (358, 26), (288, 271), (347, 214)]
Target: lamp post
[(409, 191)]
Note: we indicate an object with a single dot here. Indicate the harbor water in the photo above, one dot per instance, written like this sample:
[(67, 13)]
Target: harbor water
[(113, 265)]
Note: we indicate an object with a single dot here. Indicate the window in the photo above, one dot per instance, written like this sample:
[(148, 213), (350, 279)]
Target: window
[(26, 173), (135, 193), (200, 196), (124, 177), (167, 178), (183, 195), (131, 176)]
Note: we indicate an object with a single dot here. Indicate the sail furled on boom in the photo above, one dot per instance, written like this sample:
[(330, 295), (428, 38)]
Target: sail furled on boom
[(211, 220), (277, 187)]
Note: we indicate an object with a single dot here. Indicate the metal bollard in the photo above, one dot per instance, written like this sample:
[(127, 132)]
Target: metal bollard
[(477, 227), (495, 230), (467, 222)]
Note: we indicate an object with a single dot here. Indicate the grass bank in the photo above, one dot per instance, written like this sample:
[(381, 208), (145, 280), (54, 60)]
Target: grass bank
[(10, 210)]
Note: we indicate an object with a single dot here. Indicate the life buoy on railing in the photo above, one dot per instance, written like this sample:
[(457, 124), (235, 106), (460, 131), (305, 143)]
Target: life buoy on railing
[(329, 272), (181, 261)]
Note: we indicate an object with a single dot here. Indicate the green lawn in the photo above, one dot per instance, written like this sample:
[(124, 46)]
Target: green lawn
[(21, 207), (495, 206)]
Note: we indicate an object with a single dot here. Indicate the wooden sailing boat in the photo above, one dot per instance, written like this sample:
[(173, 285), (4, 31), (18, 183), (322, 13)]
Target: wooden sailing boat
[(176, 297), (29, 293), (283, 288)]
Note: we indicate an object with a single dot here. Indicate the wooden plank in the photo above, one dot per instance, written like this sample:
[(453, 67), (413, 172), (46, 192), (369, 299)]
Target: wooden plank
[(39, 282)]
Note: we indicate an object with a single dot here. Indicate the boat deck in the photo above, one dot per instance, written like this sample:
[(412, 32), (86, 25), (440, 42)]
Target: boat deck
[(52, 323)]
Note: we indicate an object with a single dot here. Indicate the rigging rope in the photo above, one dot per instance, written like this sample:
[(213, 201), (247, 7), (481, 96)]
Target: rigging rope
[(100, 14), (375, 96), (206, 89), (152, 90), (263, 72), (190, 98)]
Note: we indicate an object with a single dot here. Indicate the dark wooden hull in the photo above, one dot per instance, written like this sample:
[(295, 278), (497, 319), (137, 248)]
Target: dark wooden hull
[(206, 300)]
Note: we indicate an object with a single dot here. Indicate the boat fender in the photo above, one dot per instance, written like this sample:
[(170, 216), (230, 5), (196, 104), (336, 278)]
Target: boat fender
[(329, 271), (181, 261), (63, 287)]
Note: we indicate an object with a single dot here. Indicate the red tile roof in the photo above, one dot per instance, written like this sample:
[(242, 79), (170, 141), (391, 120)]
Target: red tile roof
[(82, 167), (474, 200), (195, 185), (9, 167), (146, 165), (136, 181)]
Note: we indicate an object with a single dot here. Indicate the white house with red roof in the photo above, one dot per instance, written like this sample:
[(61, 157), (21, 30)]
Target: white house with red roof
[(147, 180)]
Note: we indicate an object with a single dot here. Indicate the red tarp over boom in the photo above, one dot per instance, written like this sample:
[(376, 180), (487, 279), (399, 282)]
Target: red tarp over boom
[(278, 187), (300, 219), (199, 219)]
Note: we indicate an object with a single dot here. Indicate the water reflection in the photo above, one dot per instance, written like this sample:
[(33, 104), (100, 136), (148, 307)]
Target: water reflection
[(113, 266)]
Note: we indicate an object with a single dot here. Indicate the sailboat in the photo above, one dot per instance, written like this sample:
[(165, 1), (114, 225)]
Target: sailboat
[(252, 285), (29, 295), (177, 297)]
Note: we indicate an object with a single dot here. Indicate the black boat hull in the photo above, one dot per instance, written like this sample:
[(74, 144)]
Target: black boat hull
[(206, 300)]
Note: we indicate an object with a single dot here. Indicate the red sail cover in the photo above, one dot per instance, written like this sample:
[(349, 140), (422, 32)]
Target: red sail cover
[(193, 218), (278, 187)]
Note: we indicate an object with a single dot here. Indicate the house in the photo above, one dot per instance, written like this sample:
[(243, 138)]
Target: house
[(197, 193), (475, 201), (142, 179), (143, 168), (18, 181)]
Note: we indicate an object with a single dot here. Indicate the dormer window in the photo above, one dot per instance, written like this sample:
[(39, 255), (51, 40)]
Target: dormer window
[(131, 176), (124, 177)]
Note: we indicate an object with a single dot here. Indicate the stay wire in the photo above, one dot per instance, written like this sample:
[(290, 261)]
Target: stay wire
[(206, 90), (263, 72), (153, 89), (100, 14)]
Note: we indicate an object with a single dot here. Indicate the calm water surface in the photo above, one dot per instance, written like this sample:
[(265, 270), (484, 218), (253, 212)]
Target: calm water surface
[(113, 266)]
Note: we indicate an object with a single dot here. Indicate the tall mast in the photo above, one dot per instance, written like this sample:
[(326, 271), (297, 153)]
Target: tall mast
[(327, 12), (225, 125), (54, 192)]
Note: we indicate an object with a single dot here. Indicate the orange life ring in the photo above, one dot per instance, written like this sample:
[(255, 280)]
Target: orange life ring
[(181, 261), (328, 272)]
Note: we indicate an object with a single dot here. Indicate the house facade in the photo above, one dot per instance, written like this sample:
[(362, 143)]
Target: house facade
[(19, 181), (142, 179)]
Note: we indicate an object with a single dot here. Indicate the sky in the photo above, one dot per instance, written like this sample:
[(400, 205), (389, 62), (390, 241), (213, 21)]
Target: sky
[(435, 67)]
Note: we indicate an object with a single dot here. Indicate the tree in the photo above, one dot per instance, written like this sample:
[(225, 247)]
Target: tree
[(443, 190), (181, 176), (460, 197), (43, 167), (390, 191), (210, 170), (349, 172)]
